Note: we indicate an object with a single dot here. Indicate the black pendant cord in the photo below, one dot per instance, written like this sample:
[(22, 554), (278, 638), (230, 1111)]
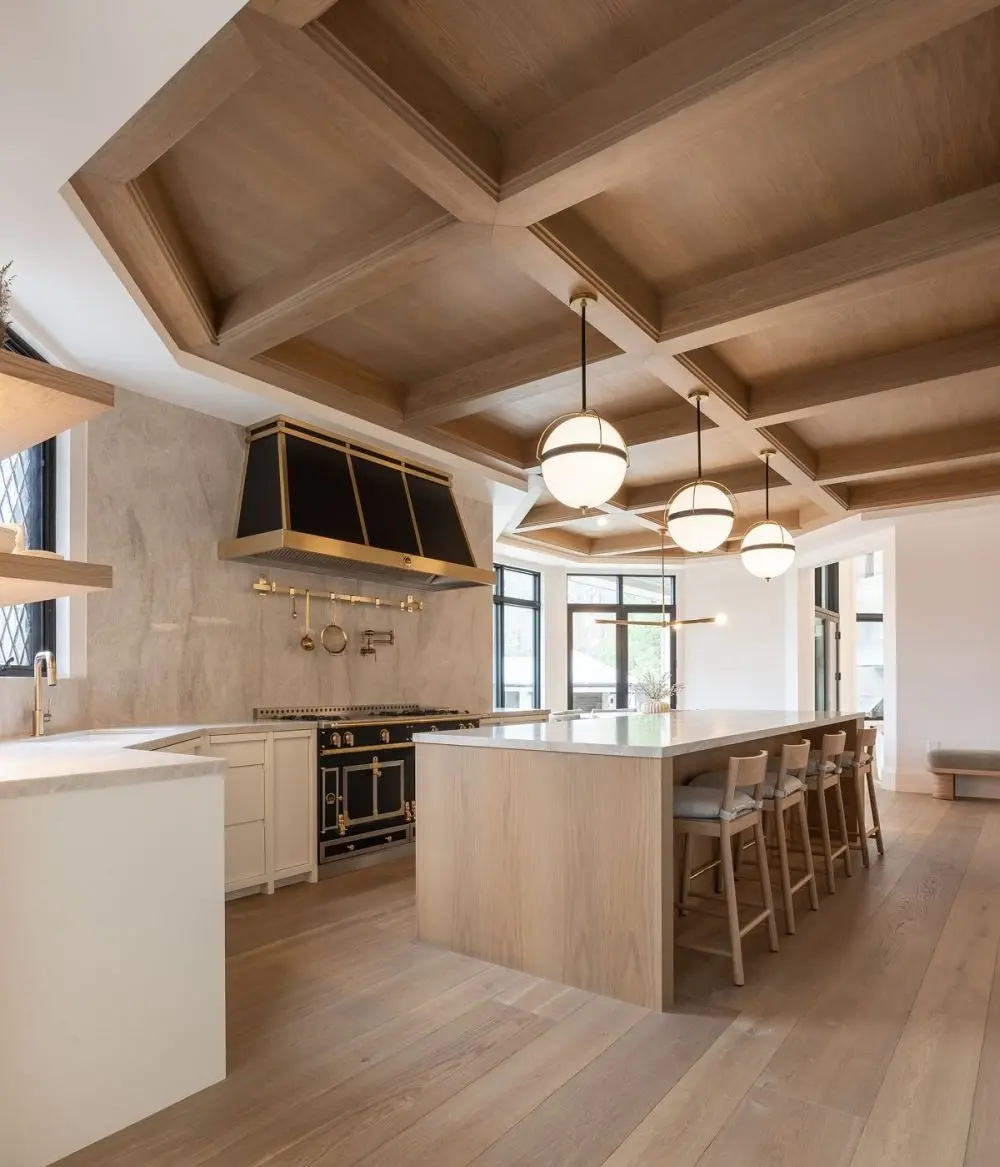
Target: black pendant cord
[(663, 577), (583, 352), (767, 488), (699, 438)]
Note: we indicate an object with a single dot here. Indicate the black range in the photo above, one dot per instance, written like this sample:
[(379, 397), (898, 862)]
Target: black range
[(366, 793)]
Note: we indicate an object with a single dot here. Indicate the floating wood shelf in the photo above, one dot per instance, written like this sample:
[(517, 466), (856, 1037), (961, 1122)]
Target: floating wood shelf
[(26, 579), (38, 401)]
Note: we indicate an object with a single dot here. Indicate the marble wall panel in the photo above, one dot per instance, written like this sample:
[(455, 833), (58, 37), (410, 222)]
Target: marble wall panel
[(181, 636)]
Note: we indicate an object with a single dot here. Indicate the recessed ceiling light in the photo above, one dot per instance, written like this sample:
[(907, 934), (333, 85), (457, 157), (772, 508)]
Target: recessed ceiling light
[(603, 520)]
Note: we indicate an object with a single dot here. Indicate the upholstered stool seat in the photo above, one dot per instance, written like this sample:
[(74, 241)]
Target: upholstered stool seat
[(769, 788), (700, 802), (782, 792)]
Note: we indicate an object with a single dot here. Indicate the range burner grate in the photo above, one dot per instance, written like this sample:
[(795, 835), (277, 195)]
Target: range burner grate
[(350, 712)]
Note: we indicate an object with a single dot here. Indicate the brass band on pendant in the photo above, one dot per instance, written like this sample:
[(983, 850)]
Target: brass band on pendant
[(584, 448)]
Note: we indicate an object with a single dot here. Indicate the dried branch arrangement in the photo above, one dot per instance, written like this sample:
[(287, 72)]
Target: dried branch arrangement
[(5, 281)]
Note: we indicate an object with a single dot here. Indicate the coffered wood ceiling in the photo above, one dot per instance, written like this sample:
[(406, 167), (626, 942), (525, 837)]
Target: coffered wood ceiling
[(385, 207)]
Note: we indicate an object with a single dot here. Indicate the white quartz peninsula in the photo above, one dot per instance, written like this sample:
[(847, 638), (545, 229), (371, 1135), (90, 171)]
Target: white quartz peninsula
[(549, 848), (112, 974)]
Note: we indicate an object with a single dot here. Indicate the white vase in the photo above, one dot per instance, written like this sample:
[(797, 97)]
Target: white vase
[(654, 706)]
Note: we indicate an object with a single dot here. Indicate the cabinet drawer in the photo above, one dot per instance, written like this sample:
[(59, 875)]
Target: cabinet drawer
[(238, 753), (244, 852), (244, 794)]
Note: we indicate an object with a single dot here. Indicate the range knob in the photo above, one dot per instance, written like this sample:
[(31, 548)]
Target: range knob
[(434, 729), (335, 740), (384, 734), (349, 738)]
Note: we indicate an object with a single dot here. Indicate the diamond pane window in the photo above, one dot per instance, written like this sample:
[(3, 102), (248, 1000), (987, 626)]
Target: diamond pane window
[(27, 496)]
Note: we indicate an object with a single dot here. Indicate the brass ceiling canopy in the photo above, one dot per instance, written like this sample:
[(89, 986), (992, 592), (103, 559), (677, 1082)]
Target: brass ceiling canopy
[(321, 503)]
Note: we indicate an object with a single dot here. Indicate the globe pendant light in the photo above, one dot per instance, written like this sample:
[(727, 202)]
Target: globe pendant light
[(700, 515), (583, 457), (767, 549)]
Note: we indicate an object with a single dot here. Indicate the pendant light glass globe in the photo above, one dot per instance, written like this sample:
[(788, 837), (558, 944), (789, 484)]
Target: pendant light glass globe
[(583, 460), (700, 516), (767, 549), (583, 457)]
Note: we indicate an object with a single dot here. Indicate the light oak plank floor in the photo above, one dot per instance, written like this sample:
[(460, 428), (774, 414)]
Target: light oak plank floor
[(872, 1037)]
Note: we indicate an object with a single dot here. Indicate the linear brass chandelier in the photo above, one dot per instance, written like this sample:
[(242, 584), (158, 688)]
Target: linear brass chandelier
[(583, 457), (663, 622)]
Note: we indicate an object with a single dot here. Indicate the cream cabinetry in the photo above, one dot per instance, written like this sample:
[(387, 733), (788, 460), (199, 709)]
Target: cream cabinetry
[(293, 766), (270, 803)]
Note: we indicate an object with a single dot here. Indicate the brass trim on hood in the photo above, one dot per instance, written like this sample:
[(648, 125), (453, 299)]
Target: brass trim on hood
[(319, 553), (254, 548)]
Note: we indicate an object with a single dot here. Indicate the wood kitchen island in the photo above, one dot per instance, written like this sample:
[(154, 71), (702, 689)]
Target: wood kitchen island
[(549, 848)]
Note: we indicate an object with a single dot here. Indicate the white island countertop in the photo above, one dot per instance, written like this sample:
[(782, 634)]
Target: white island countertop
[(89, 759), (658, 735)]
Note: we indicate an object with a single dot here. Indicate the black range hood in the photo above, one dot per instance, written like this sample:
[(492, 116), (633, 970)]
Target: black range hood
[(321, 503)]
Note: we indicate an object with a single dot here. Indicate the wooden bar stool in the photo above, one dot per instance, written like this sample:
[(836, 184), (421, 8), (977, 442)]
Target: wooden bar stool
[(784, 789), (725, 814), (862, 767), (823, 774)]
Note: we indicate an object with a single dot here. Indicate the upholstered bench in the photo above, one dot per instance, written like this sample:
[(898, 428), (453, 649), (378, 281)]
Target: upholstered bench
[(946, 765)]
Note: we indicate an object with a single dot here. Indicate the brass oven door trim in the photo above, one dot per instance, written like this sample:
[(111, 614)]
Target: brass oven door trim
[(366, 749), (376, 767), (328, 807)]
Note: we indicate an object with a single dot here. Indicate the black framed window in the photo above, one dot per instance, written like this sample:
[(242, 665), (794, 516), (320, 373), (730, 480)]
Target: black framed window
[(28, 496), (826, 638), (606, 660), (869, 649), (517, 638)]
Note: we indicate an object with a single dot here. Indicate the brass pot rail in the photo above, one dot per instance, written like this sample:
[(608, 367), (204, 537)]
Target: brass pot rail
[(266, 587)]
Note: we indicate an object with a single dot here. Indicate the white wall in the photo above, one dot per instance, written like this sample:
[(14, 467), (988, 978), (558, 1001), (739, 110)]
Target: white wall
[(942, 632), (947, 635), (740, 664)]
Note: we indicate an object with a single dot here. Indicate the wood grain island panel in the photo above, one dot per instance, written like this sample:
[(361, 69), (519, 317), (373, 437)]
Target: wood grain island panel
[(549, 848)]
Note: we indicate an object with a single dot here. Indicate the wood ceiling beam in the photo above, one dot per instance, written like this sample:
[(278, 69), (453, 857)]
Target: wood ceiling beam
[(793, 460), (339, 276), (752, 57), (555, 540), (855, 460), (212, 76), (673, 420), (137, 221), (528, 371), (796, 395), (544, 515), (554, 514), (744, 479), (388, 101), (970, 482), (877, 259), (607, 546), (485, 438), (294, 12), (311, 371), (564, 255), (629, 542)]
